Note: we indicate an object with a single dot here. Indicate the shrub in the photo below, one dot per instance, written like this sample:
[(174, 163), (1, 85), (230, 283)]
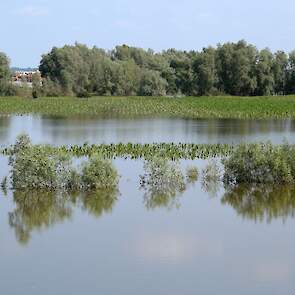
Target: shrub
[(192, 174), (99, 173), (211, 176), (162, 181), (260, 163)]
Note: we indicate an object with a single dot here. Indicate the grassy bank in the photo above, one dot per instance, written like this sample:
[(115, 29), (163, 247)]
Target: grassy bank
[(125, 107)]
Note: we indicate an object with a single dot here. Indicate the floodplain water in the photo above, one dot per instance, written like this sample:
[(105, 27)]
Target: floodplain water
[(204, 240)]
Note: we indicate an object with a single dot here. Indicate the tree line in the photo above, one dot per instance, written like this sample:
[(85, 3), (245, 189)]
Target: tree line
[(231, 68)]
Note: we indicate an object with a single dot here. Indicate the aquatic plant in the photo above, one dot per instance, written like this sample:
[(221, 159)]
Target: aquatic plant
[(163, 182), (99, 173), (260, 163), (130, 107), (211, 177), (192, 174)]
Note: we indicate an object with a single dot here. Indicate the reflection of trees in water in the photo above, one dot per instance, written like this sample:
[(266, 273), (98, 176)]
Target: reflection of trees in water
[(5, 122), (261, 202), (99, 202), (163, 183), (39, 210)]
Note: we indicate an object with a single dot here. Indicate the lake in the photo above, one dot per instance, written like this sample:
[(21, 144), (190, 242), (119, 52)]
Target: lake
[(204, 240), (78, 131)]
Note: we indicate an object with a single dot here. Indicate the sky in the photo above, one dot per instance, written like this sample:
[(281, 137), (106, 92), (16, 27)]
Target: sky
[(30, 28)]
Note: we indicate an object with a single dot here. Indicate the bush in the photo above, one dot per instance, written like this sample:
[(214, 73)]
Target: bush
[(260, 163), (192, 174), (99, 173), (39, 167), (162, 181)]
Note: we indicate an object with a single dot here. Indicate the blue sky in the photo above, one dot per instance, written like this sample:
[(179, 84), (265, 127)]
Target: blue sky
[(29, 28)]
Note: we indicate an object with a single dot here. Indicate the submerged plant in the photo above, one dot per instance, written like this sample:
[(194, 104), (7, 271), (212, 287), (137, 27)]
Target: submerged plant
[(260, 163), (4, 185), (192, 174), (99, 173), (211, 177), (163, 181)]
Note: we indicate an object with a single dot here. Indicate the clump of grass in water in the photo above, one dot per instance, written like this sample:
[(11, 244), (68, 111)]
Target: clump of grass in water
[(211, 177), (162, 182), (192, 174)]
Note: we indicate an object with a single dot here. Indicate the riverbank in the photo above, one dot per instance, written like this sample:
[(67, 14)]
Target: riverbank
[(128, 107)]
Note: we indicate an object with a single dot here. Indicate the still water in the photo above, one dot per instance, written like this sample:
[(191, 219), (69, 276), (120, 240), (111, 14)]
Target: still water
[(205, 240), (78, 131)]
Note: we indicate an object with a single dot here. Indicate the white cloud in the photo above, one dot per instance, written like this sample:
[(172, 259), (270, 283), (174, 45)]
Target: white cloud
[(32, 11)]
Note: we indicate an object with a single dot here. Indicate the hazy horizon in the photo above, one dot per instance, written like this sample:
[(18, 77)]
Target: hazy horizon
[(30, 28)]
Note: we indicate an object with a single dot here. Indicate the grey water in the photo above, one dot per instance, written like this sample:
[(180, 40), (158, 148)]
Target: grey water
[(92, 130), (200, 241)]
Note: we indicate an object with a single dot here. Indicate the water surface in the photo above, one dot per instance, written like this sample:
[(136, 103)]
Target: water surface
[(78, 131), (206, 240), (196, 242)]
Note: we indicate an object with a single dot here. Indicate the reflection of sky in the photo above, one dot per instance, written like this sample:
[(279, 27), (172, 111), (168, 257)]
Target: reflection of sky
[(78, 131), (200, 248)]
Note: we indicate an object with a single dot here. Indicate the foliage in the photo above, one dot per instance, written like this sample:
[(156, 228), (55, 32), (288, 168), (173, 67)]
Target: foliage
[(162, 182), (44, 167), (5, 75), (130, 107), (211, 177), (99, 173), (260, 163), (192, 174)]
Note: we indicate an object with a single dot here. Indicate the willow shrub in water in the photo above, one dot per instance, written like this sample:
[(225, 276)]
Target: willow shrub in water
[(37, 168), (99, 173), (260, 163), (162, 181)]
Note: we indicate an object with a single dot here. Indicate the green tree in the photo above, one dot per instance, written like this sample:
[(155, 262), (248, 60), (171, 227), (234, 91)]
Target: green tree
[(264, 72), (205, 72), (5, 75)]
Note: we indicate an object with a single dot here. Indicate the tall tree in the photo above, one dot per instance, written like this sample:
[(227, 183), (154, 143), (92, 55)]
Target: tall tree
[(5, 75)]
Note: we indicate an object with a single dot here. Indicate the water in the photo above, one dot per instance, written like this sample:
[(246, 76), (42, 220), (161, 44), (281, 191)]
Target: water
[(198, 242), (78, 131)]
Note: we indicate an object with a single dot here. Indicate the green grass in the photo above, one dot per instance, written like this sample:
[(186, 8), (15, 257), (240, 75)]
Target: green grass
[(128, 107)]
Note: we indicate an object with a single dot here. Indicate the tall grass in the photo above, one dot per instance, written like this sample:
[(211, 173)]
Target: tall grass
[(129, 107)]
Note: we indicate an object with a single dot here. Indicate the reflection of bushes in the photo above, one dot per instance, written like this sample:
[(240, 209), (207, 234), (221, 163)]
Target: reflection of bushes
[(260, 163), (261, 202), (162, 182), (36, 210), (99, 202)]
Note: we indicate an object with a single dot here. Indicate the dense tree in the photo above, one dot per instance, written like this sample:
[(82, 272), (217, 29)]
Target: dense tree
[(236, 68), (5, 75), (205, 72), (280, 71), (264, 73), (231, 68)]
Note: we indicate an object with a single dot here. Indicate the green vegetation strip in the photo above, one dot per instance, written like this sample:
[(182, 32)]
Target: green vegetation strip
[(144, 151), (165, 107)]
